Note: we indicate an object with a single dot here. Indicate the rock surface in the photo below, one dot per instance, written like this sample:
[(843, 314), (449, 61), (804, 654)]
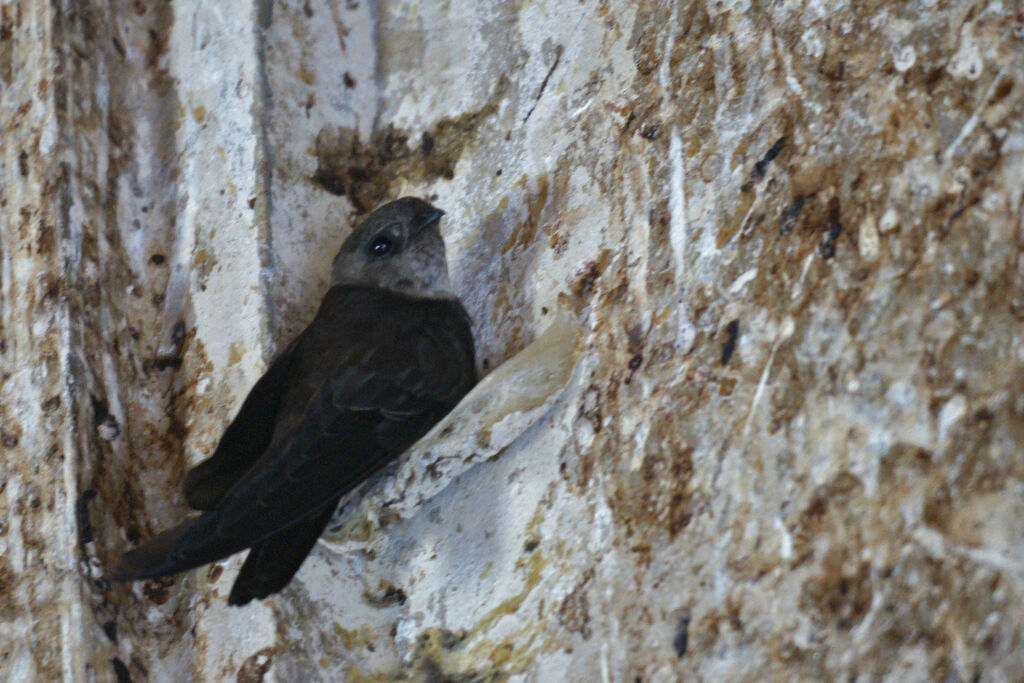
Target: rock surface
[(792, 446)]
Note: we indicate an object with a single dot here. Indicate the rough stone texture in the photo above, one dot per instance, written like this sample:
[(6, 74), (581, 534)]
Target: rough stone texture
[(39, 602), (792, 446)]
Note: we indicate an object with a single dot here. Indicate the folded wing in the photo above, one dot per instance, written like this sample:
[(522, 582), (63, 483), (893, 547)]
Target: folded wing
[(369, 376)]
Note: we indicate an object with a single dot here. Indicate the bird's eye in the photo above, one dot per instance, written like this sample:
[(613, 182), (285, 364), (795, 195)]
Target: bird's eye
[(381, 245)]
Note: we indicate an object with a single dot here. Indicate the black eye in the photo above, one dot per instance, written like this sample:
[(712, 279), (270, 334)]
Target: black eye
[(381, 245)]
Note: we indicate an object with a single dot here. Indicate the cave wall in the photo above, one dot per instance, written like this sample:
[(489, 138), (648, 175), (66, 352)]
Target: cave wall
[(791, 232)]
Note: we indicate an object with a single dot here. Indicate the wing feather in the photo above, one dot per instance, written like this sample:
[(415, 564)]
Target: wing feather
[(367, 378)]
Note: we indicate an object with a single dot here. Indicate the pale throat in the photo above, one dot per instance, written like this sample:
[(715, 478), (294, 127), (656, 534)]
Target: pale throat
[(426, 277), (437, 286)]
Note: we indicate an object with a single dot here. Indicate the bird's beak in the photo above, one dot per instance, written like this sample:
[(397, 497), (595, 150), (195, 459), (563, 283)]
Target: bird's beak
[(433, 217)]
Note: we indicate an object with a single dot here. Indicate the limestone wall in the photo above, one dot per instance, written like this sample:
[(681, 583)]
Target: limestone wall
[(792, 445)]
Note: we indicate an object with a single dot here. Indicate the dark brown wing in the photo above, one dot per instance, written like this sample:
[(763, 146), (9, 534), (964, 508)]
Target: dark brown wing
[(244, 441), (369, 376), (272, 562)]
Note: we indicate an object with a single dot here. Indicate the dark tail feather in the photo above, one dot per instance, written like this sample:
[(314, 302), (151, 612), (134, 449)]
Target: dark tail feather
[(154, 558), (272, 563), (189, 545)]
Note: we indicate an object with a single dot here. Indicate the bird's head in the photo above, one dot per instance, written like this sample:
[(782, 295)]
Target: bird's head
[(398, 247)]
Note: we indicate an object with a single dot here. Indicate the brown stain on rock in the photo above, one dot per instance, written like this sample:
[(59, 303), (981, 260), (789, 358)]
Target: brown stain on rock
[(256, 666), (363, 171), (841, 595), (574, 610)]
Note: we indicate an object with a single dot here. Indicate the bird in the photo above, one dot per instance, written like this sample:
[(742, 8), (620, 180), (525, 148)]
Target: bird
[(389, 353)]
